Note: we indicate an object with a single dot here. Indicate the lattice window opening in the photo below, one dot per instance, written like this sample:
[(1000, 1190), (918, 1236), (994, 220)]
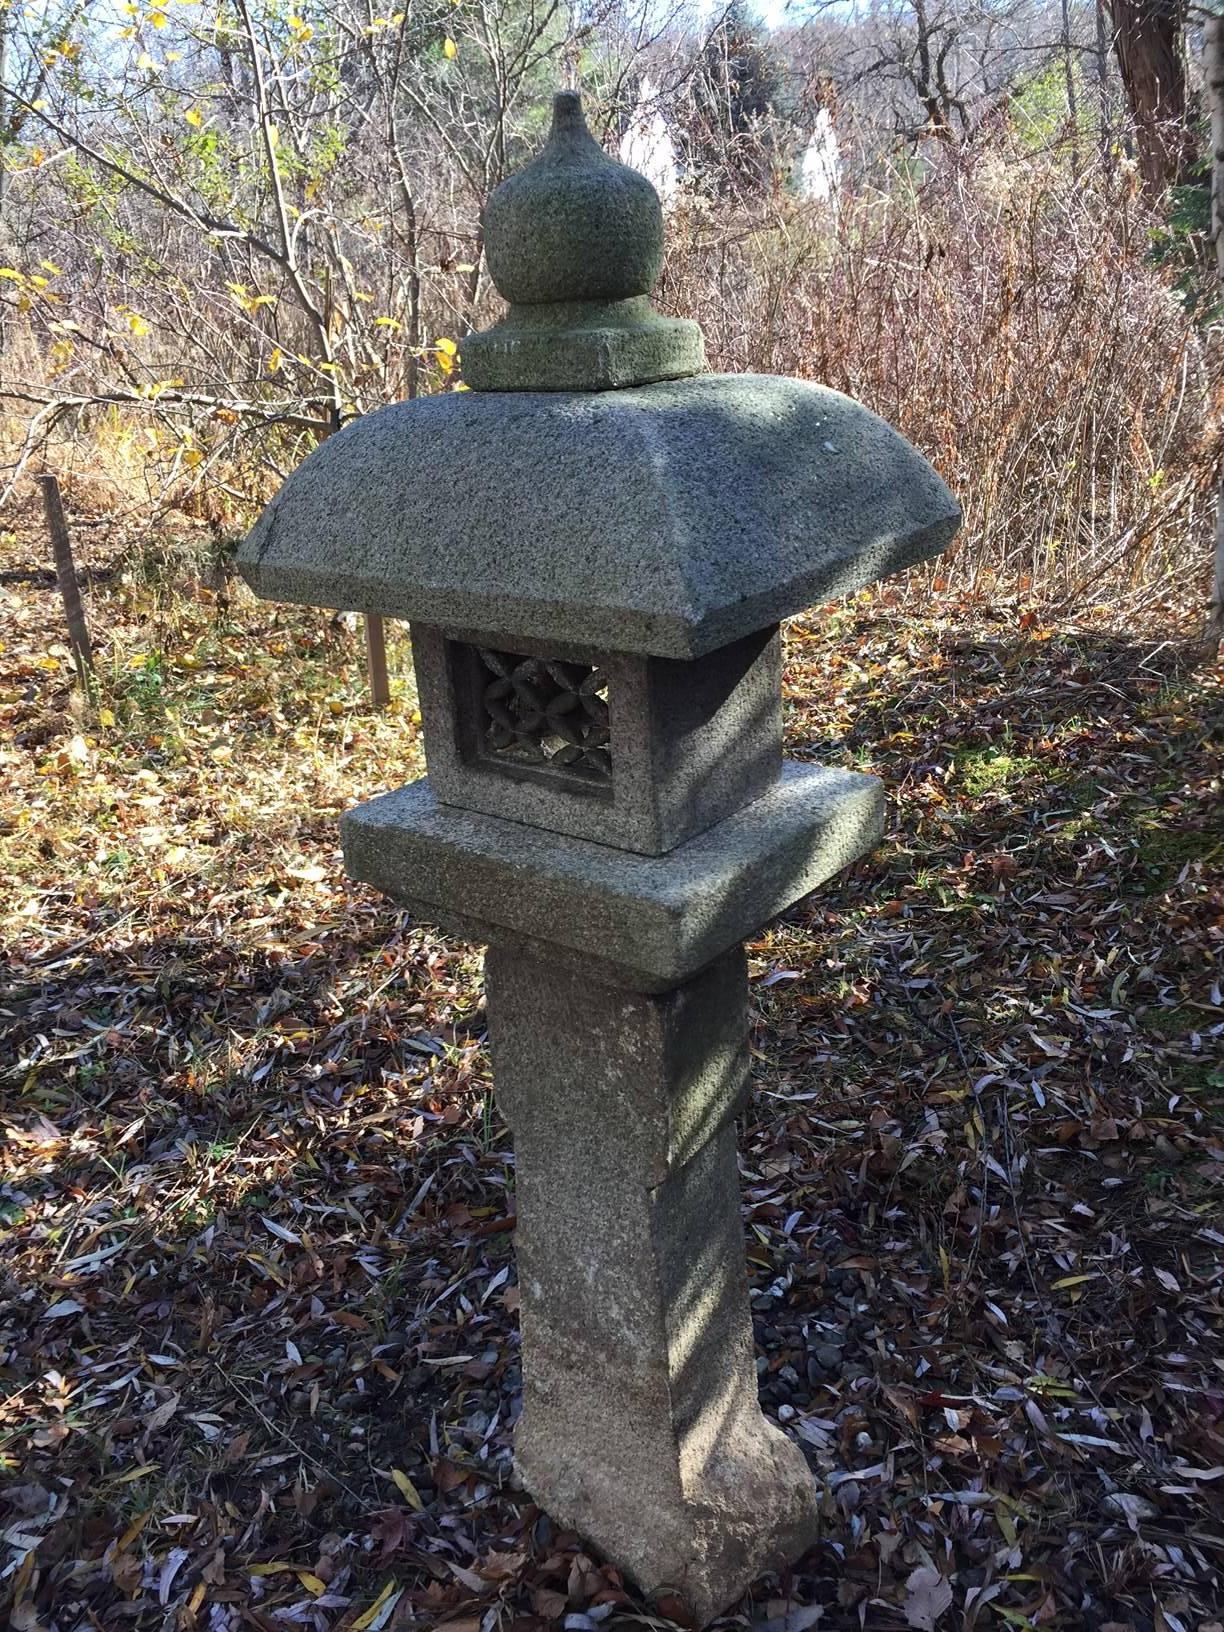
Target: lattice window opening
[(546, 714)]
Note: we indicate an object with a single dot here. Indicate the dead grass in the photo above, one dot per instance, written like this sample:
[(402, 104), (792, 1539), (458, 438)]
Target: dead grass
[(1010, 319)]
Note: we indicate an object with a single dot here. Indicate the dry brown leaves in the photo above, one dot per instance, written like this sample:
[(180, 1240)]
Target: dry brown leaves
[(258, 1341)]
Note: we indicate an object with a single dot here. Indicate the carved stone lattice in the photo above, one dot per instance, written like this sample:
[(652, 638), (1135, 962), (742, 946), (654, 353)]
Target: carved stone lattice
[(542, 712)]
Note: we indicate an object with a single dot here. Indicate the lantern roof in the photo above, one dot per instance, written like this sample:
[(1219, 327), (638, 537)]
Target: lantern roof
[(666, 520), (595, 487)]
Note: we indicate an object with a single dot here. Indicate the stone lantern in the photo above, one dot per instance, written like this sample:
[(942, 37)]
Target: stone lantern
[(594, 546)]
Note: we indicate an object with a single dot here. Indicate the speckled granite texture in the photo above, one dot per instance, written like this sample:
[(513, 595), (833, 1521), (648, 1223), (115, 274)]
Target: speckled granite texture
[(664, 520), (645, 921), (689, 743), (575, 242), (640, 1424)]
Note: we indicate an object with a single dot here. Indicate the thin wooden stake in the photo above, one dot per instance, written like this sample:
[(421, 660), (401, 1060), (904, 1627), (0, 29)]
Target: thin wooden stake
[(69, 587), (376, 660)]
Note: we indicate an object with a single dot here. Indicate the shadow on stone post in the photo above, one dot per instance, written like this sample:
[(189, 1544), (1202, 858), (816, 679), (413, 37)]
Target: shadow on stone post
[(595, 634)]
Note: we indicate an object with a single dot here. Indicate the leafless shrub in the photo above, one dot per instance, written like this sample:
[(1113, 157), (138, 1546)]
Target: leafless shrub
[(1007, 317), (222, 251)]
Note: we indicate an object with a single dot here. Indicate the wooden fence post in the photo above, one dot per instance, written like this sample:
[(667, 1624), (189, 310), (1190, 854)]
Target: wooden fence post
[(69, 587), (376, 660)]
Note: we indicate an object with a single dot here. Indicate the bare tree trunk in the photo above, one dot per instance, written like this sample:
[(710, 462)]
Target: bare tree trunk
[(4, 133), (69, 588), (938, 121), (1213, 77), (1149, 42), (1104, 123), (1069, 80)]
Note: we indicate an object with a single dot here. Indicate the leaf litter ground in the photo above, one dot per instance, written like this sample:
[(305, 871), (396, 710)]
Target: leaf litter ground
[(258, 1333)]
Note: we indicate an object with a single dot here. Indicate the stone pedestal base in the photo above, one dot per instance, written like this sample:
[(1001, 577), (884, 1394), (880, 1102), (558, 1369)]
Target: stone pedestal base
[(640, 1427)]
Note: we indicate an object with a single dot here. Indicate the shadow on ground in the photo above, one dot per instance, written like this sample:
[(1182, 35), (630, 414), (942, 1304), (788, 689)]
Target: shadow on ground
[(258, 1343)]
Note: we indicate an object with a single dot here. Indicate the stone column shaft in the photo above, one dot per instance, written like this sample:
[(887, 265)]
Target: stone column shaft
[(641, 1426)]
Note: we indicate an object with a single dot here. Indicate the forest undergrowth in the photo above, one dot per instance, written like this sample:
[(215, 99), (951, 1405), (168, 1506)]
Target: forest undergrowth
[(258, 1335)]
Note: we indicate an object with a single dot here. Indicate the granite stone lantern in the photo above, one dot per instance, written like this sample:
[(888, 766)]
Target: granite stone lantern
[(594, 546)]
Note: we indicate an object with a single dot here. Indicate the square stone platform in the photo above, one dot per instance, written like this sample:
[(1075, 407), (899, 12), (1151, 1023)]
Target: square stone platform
[(645, 922)]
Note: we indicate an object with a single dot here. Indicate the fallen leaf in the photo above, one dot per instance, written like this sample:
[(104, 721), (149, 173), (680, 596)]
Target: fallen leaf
[(407, 1489), (66, 1306), (928, 1595)]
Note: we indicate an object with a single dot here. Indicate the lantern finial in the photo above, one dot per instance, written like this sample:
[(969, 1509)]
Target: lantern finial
[(574, 242)]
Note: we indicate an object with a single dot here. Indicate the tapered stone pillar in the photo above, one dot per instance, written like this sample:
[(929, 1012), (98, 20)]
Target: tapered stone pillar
[(640, 1425), (595, 609)]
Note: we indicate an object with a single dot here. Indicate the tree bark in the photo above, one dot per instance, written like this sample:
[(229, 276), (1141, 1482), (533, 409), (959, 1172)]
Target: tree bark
[(1149, 44), (1069, 81), (1104, 111), (1213, 77), (1215, 616)]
